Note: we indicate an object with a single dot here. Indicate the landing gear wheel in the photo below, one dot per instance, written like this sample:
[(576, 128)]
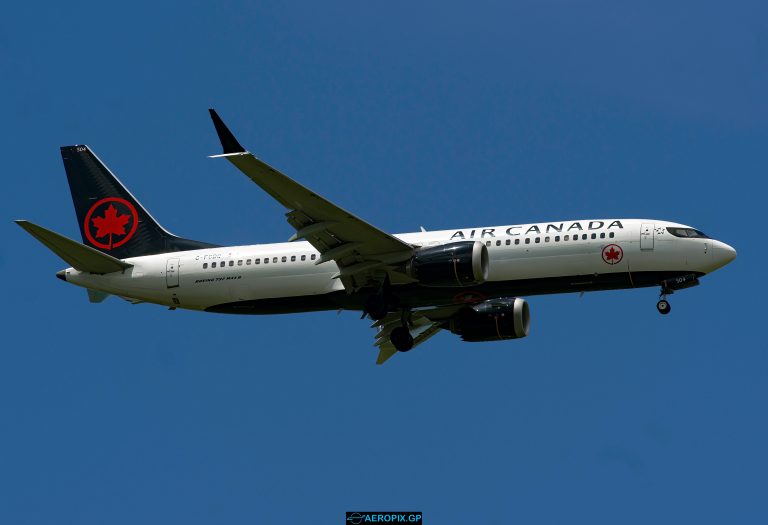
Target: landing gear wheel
[(663, 307), (376, 307), (401, 339)]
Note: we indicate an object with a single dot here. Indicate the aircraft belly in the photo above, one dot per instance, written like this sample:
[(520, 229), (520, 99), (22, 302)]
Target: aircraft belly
[(204, 289), (543, 263), (257, 287)]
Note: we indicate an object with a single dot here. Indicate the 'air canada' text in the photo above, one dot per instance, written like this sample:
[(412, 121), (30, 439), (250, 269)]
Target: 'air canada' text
[(535, 229)]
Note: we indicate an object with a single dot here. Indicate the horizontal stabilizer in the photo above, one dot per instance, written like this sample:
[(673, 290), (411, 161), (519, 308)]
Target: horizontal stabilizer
[(79, 256), (131, 299), (95, 296)]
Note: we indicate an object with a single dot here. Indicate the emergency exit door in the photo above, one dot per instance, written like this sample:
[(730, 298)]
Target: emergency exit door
[(172, 273), (646, 236)]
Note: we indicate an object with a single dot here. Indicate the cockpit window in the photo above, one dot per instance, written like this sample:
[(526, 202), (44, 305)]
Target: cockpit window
[(687, 232)]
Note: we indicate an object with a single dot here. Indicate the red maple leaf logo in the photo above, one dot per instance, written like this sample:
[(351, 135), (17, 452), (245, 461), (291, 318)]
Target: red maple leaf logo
[(110, 224), (612, 254)]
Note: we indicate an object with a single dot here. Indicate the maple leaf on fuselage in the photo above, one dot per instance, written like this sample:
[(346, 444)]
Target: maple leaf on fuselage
[(111, 223), (612, 254)]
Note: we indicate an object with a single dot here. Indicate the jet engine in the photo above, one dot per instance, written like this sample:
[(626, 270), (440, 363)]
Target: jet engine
[(455, 264), (492, 320)]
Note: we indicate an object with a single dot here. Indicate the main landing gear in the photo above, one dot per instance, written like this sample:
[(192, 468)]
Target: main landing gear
[(400, 336), (377, 305)]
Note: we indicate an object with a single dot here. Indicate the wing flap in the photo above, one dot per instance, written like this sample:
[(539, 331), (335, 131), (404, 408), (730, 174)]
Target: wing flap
[(421, 329)]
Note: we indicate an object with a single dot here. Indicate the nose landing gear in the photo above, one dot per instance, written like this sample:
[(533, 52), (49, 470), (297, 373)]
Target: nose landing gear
[(669, 286), (663, 307)]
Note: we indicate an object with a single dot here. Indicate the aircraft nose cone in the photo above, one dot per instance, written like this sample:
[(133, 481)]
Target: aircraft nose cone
[(724, 254)]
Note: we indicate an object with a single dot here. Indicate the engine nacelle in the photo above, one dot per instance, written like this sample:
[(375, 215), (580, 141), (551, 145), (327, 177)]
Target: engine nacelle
[(492, 320), (455, 264)]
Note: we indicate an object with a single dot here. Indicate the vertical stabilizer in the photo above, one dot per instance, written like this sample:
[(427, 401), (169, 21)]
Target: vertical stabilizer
[(111, 220)]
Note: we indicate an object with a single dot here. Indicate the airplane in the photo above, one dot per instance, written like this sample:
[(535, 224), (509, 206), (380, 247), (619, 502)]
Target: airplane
[(468, 281)]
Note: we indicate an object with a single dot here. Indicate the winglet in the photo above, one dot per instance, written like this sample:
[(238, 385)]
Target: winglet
[(228, 141)]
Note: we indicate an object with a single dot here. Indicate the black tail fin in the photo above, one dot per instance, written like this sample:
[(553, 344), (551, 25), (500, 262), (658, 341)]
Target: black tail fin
[(111, 219)]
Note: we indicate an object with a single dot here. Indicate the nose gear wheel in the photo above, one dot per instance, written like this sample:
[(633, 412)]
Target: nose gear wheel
[(663, 305)]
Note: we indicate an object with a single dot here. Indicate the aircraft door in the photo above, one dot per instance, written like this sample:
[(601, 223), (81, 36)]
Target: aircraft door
[(172, 273), (646, 236)]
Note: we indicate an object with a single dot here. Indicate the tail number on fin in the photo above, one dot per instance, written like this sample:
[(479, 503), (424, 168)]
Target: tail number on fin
[(112, 220)]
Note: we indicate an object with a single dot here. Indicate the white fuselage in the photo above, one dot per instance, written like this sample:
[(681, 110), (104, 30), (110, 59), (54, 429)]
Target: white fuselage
[(201, 279)]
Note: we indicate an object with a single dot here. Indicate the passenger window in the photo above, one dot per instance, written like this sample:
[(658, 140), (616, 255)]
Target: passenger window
[(602, 235), (274, 259), (498, 243), (546, 239), (231, 263), (303, 257), (509, 242), (313, 256), (247, 262), (584, 237), (594, 236), (239, 262), (256, 261), (538, 240), (284, 259), (517, 241), (266, 260), (567, 238), (293, 258), (213, 265), (527, 240), (487, 243), (611, 235), (557, 238), (205, 265)]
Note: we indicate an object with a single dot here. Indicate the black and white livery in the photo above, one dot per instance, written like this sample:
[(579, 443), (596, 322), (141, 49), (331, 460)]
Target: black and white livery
[(467, 281)]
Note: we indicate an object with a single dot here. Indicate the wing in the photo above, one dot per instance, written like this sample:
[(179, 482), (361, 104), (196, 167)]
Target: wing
[(363, 253), (422, 329)]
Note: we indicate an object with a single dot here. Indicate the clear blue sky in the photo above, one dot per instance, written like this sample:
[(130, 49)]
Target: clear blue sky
[(437, 114)]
